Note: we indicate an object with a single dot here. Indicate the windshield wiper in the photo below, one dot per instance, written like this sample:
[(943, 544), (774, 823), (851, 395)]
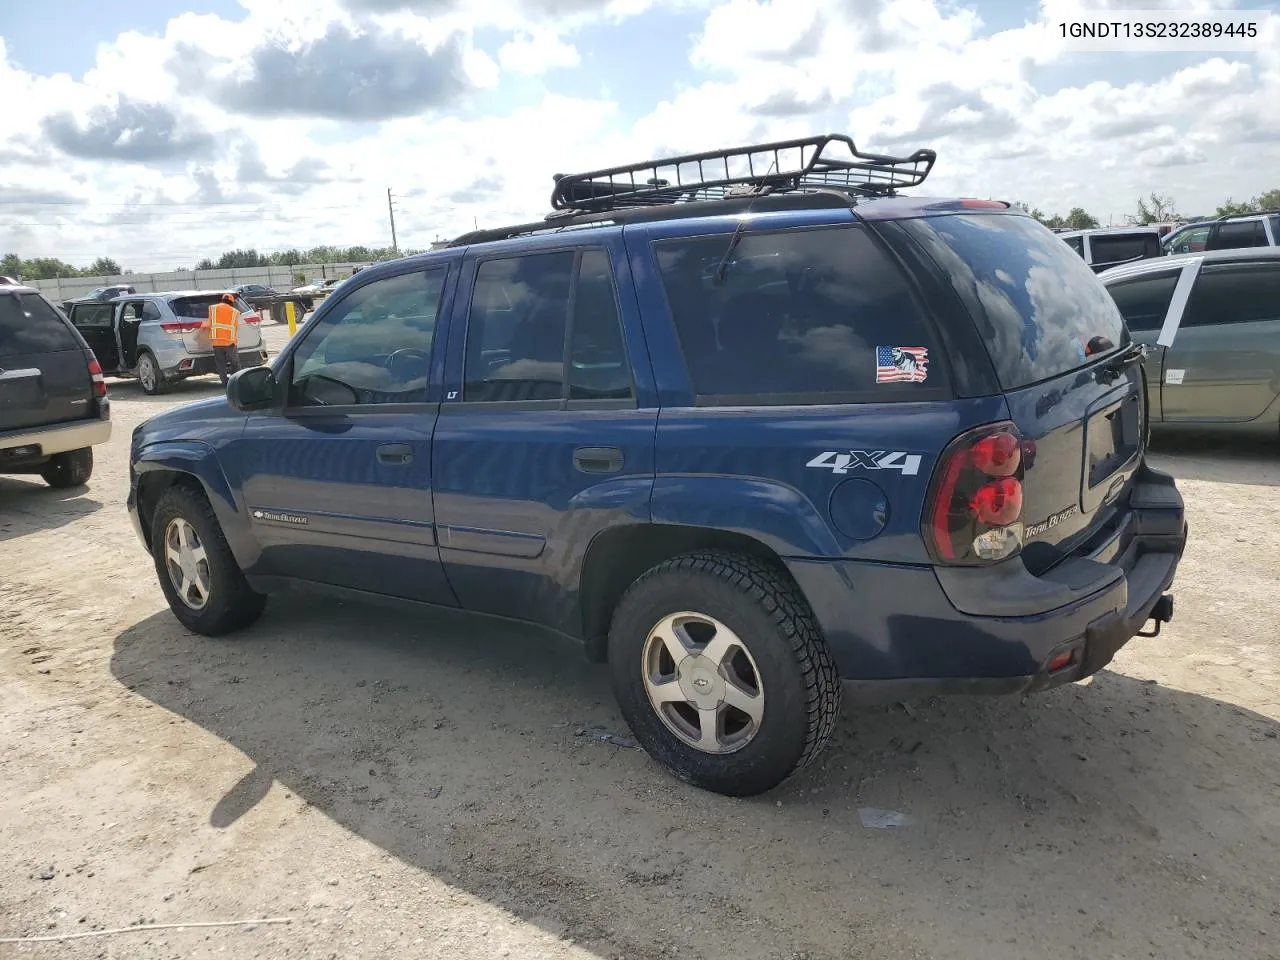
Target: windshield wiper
[(1111, 371)]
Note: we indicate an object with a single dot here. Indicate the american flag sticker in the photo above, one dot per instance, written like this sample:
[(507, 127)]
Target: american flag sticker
[(902, 364)]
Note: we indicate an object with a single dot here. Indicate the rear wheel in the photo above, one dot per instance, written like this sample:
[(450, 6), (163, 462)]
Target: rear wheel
[(722, 673), (150, 376), (204, 585), (70, 469)]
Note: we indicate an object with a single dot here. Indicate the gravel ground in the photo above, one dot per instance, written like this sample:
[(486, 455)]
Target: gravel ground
[(428, 786)]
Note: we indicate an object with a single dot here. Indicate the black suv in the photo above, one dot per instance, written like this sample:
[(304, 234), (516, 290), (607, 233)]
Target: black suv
[(53, 398)]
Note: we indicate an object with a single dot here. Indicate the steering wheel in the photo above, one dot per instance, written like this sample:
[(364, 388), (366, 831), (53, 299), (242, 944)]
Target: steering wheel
[(405, 354)]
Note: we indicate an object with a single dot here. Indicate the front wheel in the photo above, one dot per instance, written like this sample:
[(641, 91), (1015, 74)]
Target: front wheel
[(198, 573), (722, 673), (70, 469)]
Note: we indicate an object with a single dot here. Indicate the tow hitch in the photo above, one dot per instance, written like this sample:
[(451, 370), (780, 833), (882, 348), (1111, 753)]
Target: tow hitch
[(1162, 612)]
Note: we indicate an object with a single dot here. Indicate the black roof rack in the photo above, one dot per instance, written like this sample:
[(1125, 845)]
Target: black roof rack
[(826, 164), (1251, 213)]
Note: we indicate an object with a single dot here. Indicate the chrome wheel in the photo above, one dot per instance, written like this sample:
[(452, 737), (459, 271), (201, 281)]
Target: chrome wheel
[(703, 683), (187, 563), (147, 373)]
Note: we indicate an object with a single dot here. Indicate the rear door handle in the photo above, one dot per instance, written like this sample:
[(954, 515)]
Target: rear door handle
[(395, 454), (598, 459)]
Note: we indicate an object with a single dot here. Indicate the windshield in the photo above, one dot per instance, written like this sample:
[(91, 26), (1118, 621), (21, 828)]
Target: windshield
[(1040, 309)]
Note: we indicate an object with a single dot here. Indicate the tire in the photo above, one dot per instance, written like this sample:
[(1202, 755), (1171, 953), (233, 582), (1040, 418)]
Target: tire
[(70, 469), (229, 603), (150, 376), (774, 640)]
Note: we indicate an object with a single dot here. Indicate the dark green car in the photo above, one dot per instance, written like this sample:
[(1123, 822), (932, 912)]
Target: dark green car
[(1213, 322)]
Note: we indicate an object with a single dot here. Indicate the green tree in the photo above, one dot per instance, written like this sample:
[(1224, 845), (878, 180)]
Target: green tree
[(11, 266), (1269, 200), (1081, 219), (1160, 209), (104, 267), (1232, 207)]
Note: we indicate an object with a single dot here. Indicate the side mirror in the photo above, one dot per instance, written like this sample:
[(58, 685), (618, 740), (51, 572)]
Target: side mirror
[(252, 389)]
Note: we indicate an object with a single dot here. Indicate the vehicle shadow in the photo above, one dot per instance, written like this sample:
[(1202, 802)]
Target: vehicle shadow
[(480, 755), (1199, 455), (192, 388), (29, 505)]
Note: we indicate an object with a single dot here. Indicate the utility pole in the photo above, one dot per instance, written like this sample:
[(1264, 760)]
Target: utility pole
[(391, 212)]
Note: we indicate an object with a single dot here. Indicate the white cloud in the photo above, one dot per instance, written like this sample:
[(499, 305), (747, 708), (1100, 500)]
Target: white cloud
[(295, 119)]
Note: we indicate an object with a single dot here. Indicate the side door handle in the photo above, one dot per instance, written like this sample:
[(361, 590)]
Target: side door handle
[(395, 454), (598, 459)]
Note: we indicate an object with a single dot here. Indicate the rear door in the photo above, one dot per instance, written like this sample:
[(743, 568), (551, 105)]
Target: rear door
[(542, 441), (1049, 323), (1237, 234), (1224, 364), (129, 316), (44, 374), (96, 323)]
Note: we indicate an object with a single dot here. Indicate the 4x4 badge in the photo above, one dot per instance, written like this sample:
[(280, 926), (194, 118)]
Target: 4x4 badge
[(908, 464)]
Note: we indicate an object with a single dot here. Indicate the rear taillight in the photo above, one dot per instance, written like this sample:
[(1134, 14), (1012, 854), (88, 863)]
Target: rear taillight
[(974, 511), (250, 318), (181, 326), (99, 381)]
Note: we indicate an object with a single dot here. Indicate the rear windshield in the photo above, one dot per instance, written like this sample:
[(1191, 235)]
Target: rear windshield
[(1121, 247), (197, 308), (30, 325), (1041, 310)]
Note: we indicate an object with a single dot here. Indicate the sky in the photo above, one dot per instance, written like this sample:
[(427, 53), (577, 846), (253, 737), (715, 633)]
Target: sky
[(159, 132)]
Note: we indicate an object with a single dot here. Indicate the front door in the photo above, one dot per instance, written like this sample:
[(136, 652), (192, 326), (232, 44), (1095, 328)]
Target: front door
[(96, 323), (337, 483), (1224, 364), (541, 443)]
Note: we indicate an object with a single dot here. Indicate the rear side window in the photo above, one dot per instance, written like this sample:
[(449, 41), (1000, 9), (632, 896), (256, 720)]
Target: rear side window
[(1122, 247), (28, 325), (1234, 293), (797, 316), (1235, 236), (1144, 302), (1076, 244), (522, 311), (1041, 310)]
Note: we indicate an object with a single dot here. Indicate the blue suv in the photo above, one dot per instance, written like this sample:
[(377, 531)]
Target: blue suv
[(757, 439)]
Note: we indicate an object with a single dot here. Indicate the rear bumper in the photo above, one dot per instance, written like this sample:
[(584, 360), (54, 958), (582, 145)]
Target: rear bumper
[(204, 363), (899, 630), (55, 438)]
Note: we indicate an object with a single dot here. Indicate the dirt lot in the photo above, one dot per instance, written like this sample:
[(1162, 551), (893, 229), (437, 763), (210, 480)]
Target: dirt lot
[(421, 786)]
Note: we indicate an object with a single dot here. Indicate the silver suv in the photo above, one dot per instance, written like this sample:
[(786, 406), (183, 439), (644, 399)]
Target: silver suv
[(1235, 232), (160, 338)]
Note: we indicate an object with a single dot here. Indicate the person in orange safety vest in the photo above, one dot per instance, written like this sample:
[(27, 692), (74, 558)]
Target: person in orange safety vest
[(224, 336)]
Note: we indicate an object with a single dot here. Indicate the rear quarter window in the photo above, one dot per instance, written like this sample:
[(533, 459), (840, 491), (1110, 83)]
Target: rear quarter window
[(29, 325), (1041, 310), (798, 316), (1123, 247)]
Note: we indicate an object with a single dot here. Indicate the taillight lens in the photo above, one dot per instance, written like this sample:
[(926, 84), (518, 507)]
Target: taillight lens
[(99, 381), (974, 511), (181, 326), (250, 318)]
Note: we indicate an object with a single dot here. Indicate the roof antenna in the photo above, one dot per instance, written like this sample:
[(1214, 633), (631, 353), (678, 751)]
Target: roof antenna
[(723, 267)]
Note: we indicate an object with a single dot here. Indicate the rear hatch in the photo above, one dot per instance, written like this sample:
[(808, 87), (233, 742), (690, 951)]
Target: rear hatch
[(191, 312), (44, 370), (1056, 339)]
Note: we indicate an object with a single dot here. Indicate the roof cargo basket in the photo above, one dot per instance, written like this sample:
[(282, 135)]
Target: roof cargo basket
[(820, 163)]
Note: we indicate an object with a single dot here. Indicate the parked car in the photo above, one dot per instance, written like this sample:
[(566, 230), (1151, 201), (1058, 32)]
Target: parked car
[(1221, 367), (1108, 246), (100, 295), (265, 299), (1235, 232), (53, 399), (309, 293), (742, 447), (160, 338)]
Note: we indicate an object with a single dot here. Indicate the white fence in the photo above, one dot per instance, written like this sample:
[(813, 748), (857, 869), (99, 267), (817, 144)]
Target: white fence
[(281, 279)]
